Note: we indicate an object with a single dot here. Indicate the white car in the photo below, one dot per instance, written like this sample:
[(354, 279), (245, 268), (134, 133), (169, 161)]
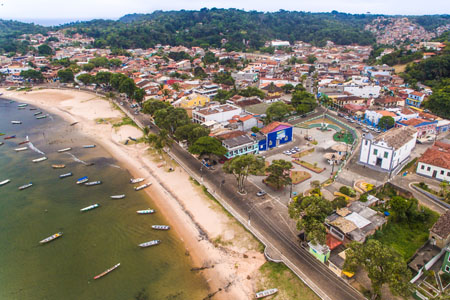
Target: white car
[(287, 152)]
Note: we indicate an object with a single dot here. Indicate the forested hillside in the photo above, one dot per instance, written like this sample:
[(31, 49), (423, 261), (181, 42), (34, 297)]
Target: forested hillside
[(10, 30), (236, 28)]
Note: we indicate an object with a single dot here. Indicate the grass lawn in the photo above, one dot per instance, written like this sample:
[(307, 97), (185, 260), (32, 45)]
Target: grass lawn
[(309, 166), (406, 237), (303, 153), (343, 137), (288, 284), (299, 176)]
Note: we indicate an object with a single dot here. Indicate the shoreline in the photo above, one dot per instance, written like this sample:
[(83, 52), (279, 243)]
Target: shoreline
[(189, 225)]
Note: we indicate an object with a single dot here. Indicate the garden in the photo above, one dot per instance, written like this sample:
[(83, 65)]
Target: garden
[(343, 136), (309, 166)]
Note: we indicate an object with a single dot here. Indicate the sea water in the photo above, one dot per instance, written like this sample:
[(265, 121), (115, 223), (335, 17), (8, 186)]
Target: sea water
[(92, 241)]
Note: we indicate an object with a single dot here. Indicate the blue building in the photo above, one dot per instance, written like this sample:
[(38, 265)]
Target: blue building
[(275, 134)]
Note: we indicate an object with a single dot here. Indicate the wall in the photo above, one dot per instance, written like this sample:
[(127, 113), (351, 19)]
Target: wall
[(429, 173)]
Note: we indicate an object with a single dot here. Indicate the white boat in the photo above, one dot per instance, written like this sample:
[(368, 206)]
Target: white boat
[(25, 186), (16, 122), (136, 180), (145, 211), (150, 243), (266, 293), (51, 238), (89, 146), (161, 227), (4, 182), (37, 113), (39, 159), (118, 196), (41, 117), (93, 183), (22, 105), (90, 207), (138, 188), (82, 180), (21, 149), (1, 143), (65, 175), (64, 150)]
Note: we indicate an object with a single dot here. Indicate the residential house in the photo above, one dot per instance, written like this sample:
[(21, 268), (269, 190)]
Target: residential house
[(272, 90), (424, 127), (440, 232), (321, 252), (209, 90), (191, 101), (435, 162), (240, 145), (219, 113), (442, 126), (364, 91), (446, 264), (388, 150), (372, 117), (389, 101), (415, 99), (275, 134), (245, 123)]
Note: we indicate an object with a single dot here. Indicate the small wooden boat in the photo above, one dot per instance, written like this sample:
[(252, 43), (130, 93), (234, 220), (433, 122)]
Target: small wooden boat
[(24, 142), (65, 175), (21, 149), (89, 164), (145, 211), (37, 113), (90, 207), (51, 238), (89, 146), (138, 188), (5, 182), (64, 150), (22, 105), (118, 196), (82, 180), (136, 180), (21, 108), (25, 186), (1, 133), (16, 122), (150, 243), (39, 159), (107, 271), (161, 227), (58, 166), (41, 117), (74, 123), (266, 293), (1, 143), (10, 137), (33, 108), (93, 183)]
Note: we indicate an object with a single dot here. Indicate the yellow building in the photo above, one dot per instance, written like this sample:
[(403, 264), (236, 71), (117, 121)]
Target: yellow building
[(191, 101)]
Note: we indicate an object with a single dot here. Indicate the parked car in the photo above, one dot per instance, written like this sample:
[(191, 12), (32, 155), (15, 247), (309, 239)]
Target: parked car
[(303, 116), (341, 115), (261, 193)]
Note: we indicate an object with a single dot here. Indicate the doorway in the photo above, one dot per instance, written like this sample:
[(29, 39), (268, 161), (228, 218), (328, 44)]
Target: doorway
[(379, 161), (434, 173)]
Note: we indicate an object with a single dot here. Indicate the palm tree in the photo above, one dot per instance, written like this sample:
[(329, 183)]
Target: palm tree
[(159, 141)]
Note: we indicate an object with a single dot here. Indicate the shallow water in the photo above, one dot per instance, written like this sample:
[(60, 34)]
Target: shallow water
[(93, 241)]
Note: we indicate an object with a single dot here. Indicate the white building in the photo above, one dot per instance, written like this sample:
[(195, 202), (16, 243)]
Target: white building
[(388, 150), (219, 113), (435, 162), (280, 43), (364, 91), (373, 116)]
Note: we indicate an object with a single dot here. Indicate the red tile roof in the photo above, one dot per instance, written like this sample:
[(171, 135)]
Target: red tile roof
[(437, 155), (269, 128)]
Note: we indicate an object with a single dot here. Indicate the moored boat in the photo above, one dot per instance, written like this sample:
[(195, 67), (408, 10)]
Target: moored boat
[(51, 238), (24, 142), (39, 159), (145, 211), (265, 293), (37, 113), (65, 175), (64, 150), (161, 227), (1, 133), (118, 196), (22, 105), (82, 180), (1, 143), (150, 243), (93, 183), (90, 207), (74, 123), (61, 166), (21, 149), (10, 137), (138, 188), (136, 180), (107, 271), (89, 146), (4, 182), (41, 117), (33, 108), (25, 186), (16, 122)]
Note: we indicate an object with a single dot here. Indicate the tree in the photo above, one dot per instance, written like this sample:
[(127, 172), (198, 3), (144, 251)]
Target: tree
[(103, 78), (116, 80), (209, 58), (32, 75), (300, 87), (279, 173), (171, 118), (139, 95), (208, 146), (277, 111), (243, 165), (100, 62), (128, 87), (252, 91), (88, 67), (386, 122), (287, 88), (85, 78), (153, 105), (159, 141), (200, 73), (311, 59), (382, 264), (65, 75), (115, 62), (223, 78), (439, 101), (303, 102), (45, 49), (191, 132), (310, 213)]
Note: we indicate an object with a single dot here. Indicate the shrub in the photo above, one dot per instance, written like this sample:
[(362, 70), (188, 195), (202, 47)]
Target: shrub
[(347, 191), (363, 198), (339, 202)]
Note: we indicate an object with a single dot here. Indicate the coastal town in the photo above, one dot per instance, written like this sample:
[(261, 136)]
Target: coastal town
[(334, 164)]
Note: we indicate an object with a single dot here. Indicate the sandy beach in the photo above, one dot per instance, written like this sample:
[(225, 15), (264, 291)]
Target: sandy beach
[(214, 241)]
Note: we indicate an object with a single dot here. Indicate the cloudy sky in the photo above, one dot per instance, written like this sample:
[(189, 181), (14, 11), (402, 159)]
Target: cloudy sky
[(58, 10)]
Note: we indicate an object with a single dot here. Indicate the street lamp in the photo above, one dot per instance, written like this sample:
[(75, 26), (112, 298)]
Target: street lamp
[(332, 162)]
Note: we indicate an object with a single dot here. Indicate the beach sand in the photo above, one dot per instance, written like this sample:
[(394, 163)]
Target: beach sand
[(213, 239)]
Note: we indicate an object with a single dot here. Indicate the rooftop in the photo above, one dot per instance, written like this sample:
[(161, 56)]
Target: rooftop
[(272, 126), (438, 155), (397, 137), (442, 226), (237, 141)]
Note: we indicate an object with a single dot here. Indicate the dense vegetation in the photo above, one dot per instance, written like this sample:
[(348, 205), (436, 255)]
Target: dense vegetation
[(431, 22), (234, 29), (11, 30)]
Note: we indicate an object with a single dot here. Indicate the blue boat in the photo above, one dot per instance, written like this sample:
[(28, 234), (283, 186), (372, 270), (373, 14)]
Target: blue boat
[(82, 180)]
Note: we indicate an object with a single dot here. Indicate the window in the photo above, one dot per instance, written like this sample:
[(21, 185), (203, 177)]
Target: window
[(429, 168), (448, 173), (442, 172), (386, 154), (375, 151), (447, 269), (422, 167), (367, 142)]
